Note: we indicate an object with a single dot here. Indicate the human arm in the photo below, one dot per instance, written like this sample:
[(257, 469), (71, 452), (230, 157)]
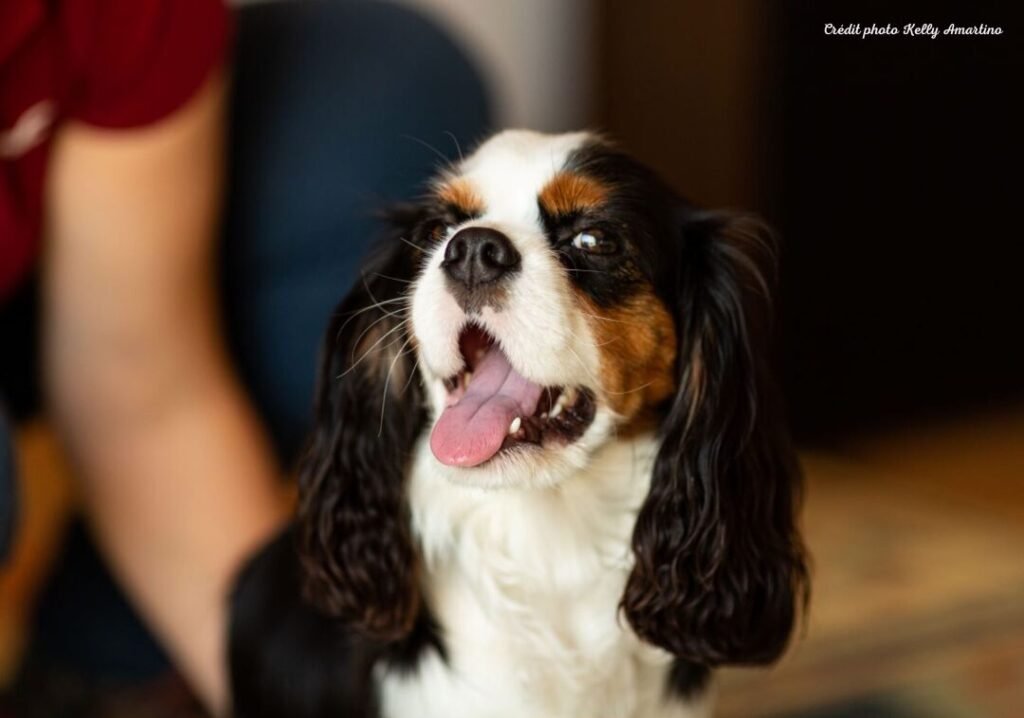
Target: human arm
[(178, 480)]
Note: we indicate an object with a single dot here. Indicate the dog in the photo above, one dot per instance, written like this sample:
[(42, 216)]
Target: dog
[(549, 474)]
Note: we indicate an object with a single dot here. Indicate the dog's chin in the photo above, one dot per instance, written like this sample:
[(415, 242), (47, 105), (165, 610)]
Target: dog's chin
[(533, 466)]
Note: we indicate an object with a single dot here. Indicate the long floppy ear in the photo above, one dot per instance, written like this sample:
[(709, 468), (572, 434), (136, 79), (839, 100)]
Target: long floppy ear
[(354, 535), (719, 562)]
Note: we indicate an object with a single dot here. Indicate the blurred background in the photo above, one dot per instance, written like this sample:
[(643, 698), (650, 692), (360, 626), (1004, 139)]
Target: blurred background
[(891, 167)]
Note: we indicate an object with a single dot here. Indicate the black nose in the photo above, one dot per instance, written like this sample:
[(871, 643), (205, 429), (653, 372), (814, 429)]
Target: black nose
[(479, 255)]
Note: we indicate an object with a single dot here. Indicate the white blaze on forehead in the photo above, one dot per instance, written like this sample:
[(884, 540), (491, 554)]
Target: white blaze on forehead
[(510, 169)]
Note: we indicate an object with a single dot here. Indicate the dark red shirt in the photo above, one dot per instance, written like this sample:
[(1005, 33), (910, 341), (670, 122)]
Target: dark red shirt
[(108, 63)]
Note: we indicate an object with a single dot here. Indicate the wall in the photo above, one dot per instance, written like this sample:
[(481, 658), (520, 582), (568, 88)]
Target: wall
[(536, 53)]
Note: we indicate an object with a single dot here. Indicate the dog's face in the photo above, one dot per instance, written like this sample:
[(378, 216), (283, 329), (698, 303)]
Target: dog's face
[(536, 316), (549, 295)]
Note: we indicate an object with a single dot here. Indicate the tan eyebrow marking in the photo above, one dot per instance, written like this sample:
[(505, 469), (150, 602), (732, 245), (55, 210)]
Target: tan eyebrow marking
[(461, 194), (569, 192)]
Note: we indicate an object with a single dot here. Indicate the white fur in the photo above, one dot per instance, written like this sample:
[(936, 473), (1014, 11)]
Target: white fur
[(526, 556), (526, 584)]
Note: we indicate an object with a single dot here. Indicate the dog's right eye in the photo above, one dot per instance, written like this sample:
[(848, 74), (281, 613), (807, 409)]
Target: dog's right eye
[(594, 241), (438, 229)]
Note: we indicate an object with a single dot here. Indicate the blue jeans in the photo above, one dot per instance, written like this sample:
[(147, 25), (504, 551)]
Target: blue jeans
[(338, 108)]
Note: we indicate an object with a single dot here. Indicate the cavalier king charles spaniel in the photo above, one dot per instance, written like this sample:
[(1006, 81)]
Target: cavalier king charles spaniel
[(549, 475)]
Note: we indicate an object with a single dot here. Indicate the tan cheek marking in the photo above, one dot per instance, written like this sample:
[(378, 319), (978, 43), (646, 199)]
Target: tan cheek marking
[(637, 344), (460, 193), (567, 193)]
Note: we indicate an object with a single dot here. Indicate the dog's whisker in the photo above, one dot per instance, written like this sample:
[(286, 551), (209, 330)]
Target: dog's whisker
[(387, 383), (369, 291), (356, 362), (575, 268), (584, 366), (400, 316), (579, 270), (394, 279), (412, 244), (445, 161), (607, 319), (629, 391), (391, 315), (363, 356), (573, 335), (455, 141), (412, 373), (380, 305)]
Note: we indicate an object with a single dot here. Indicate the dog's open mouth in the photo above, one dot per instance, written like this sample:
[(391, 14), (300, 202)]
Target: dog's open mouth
[(491, 407)]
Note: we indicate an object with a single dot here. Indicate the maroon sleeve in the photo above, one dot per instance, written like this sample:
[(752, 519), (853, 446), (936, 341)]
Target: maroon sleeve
[(143, 59)]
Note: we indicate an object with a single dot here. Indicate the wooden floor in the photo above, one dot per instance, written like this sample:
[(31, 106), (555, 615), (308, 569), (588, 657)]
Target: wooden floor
[(918, 607)]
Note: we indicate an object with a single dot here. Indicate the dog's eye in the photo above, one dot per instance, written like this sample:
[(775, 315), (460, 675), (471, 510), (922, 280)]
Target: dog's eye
[(439, 229), (594, 242)]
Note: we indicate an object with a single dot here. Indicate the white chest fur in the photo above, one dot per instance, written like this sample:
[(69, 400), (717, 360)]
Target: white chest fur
[(526, 586)]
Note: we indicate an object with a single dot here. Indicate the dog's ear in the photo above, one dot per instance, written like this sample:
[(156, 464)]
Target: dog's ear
[(354, 536), (720, 566)]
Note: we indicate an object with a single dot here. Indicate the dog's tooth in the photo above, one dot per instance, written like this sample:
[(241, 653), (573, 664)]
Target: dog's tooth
[(466, 378), (569, 396), (556, 409), (543, 415), (514, 426)]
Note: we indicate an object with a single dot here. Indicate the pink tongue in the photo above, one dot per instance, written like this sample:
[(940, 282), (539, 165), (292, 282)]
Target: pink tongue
[(472, 430)]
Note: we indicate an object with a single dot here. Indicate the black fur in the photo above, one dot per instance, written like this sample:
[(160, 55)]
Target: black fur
[(289, 660), (720, 567), (354, 534), (687, 679), (339, 592)]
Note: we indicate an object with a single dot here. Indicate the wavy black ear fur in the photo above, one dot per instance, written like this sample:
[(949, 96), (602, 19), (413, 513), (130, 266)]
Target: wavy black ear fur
[(720, 568), (354, 536)]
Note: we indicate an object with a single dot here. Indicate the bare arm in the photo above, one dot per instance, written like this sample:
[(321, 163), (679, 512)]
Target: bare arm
[(178, 479)]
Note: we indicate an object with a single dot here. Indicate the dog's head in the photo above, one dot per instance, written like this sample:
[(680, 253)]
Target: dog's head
[(549, 295)]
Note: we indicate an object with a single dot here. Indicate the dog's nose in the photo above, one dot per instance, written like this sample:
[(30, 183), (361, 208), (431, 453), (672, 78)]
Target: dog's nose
[(479, 255)]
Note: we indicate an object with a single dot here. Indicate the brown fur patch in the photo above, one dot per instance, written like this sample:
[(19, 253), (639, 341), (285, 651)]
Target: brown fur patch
[(568, 192), (459, 193), (637, 342)]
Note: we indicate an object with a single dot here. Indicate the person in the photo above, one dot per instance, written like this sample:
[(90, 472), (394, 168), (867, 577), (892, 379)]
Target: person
[(178, 321)]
